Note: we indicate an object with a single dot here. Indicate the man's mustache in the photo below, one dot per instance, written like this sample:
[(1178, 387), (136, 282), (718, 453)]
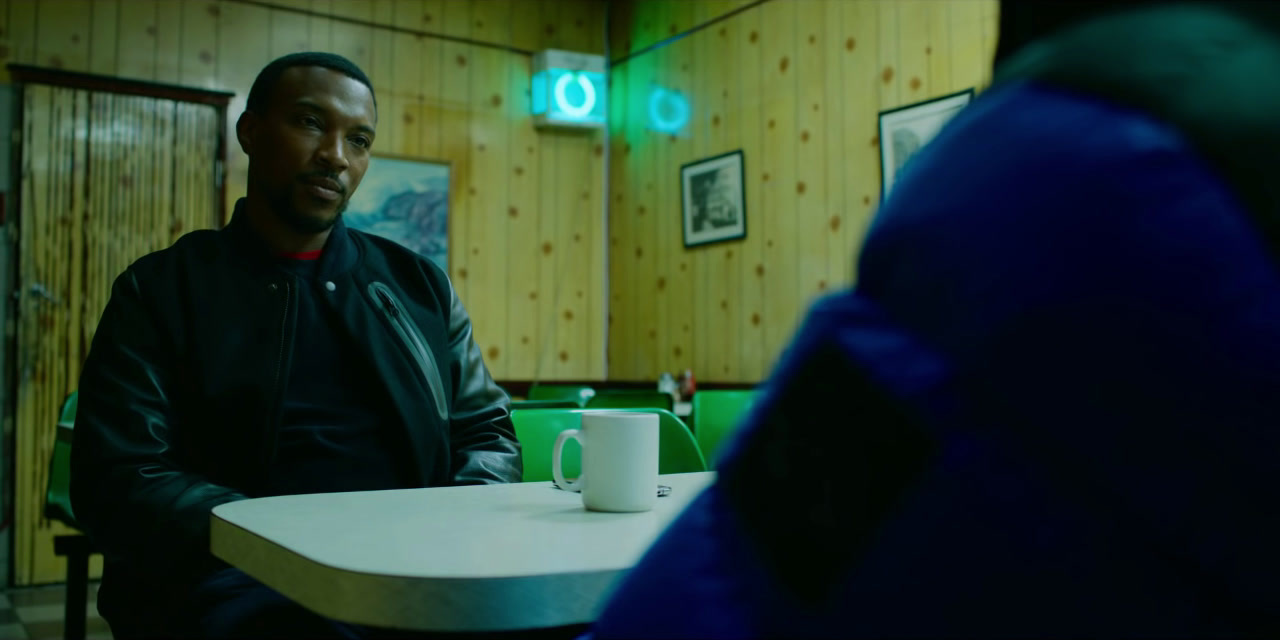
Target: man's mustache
[(330, 180)]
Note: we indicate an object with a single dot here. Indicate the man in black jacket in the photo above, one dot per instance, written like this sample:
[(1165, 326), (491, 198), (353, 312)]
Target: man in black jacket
[(283, 354)]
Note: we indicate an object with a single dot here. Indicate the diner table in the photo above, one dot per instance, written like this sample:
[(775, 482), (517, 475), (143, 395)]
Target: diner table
[(475, 558)]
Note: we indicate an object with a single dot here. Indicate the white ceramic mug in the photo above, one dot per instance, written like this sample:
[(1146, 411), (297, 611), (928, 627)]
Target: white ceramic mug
[(619, 460)]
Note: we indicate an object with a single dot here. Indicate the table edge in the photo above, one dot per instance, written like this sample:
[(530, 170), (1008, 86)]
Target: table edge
[(493, 603)]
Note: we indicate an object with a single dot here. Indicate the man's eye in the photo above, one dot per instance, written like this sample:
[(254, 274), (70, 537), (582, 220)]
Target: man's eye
[(310, 121), (362, 142)]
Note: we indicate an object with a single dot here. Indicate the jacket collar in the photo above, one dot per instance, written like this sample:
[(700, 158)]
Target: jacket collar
[(339, 256)]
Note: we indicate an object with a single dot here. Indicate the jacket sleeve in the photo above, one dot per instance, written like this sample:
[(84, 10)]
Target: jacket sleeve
[(128, 490), (484, 445)]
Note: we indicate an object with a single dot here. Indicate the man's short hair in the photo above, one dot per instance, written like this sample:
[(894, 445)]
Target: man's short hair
[(265, 84)]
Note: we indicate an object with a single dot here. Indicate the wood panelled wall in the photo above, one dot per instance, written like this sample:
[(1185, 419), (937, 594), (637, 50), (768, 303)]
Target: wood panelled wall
[(797, 85), (525, 226)]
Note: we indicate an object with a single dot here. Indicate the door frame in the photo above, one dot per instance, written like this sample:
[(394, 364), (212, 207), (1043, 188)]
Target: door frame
[(11, 214), (23, 74)]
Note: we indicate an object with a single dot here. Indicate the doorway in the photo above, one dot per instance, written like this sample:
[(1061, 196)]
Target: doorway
[(109, 170)]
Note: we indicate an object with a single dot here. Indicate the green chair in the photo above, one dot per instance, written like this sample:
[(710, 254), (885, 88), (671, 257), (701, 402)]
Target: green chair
[(57, 499), (544, 404), (716, 415), (678, 451), (57, 506), (537, 430), (576, 393), (629, 399)]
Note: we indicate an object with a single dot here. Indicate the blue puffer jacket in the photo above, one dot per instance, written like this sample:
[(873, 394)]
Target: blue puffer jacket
[(1050, 408)]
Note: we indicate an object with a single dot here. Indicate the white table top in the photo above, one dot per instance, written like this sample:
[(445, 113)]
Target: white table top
[(484, 558)]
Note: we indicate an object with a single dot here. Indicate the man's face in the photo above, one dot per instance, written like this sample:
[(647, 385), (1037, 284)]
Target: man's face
[(309, 149)]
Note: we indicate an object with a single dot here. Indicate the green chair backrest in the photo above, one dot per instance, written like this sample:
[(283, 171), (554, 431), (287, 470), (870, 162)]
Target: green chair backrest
[(716, 415), (57, 500), (537, 430), (544, 404), (628, 399), (576, 393), (678, 451)]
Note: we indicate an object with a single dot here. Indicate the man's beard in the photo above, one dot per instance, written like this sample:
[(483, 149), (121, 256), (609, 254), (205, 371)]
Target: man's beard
[(282, 206)]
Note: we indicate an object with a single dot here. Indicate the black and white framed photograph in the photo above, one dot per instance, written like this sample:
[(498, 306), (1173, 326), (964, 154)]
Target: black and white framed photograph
[(905, 130), (714, 200)]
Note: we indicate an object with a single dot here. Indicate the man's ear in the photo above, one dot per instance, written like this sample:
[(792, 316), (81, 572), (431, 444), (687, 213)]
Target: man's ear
[(246, 127)]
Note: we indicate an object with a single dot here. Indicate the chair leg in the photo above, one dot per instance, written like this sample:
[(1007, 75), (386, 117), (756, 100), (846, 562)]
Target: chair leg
[(77, 550)]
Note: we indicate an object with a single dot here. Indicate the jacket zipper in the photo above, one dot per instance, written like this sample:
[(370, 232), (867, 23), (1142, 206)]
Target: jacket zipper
[(273, 423), (284, 319), (413, 342)]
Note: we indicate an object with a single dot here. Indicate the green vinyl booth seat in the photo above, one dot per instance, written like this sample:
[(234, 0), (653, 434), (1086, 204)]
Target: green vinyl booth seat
[(631, 399), (537, 430), (544, 404), (575, 393), (716, 415)]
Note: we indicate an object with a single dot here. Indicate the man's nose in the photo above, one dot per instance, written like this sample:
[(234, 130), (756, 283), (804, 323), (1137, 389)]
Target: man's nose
[(332, 153)]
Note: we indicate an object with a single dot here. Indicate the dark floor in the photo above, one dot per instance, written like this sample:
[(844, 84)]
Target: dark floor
[(35, 613)]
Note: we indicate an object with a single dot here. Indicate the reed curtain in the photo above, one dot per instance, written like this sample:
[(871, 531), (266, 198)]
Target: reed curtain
[(105, 178)]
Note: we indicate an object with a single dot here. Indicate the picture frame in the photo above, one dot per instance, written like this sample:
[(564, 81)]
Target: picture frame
[(907, 129), (405, 200), (713, 199)]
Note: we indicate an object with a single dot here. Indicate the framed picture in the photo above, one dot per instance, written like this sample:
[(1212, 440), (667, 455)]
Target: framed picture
[(714, 202), (405, 200), (905, 130)]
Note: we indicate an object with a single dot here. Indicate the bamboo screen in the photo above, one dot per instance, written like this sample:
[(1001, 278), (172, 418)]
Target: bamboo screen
[(106, 179)]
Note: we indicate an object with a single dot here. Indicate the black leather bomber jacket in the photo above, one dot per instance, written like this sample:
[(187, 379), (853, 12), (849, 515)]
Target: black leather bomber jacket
[(180, 396)]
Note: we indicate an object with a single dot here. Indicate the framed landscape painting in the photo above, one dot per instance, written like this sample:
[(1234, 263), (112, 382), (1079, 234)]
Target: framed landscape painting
[(407, 201)]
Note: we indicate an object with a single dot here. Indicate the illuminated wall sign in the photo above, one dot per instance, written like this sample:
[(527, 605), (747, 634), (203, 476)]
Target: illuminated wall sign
[(668, 110), (568, 90)]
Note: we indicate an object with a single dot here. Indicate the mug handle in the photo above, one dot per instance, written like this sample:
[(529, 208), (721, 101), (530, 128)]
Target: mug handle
[(556, 471)]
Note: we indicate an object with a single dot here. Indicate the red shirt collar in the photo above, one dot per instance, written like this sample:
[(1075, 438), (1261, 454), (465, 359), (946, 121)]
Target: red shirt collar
[(305, 255)]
